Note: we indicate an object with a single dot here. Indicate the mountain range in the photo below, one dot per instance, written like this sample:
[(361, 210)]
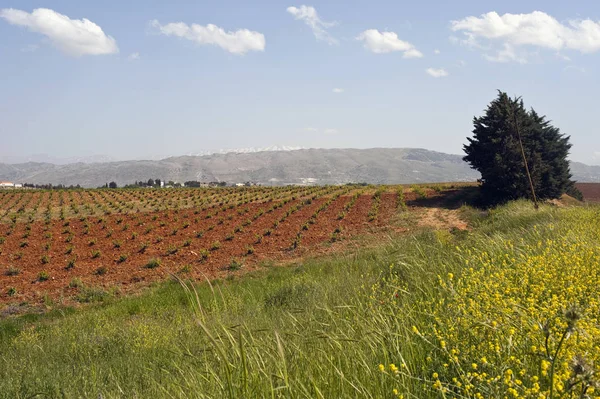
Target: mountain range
[(45, 158), (302, 166)]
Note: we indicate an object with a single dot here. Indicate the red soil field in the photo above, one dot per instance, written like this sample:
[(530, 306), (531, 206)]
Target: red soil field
[(590, 191), (105, 240)]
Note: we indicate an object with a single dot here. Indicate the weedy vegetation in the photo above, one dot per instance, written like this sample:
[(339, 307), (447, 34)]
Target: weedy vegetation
[(505, 309), (508, 309)]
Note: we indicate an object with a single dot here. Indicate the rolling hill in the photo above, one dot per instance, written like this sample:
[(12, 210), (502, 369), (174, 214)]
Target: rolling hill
[(305, 166)]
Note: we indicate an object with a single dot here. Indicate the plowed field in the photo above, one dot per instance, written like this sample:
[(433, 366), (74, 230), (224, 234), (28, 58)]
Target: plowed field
[(59, 244), (590, 191)]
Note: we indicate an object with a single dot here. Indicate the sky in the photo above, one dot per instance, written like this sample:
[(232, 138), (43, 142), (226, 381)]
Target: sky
[(146, 79)]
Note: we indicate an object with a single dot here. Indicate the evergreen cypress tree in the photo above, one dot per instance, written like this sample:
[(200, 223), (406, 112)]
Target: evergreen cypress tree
[(495, 151)]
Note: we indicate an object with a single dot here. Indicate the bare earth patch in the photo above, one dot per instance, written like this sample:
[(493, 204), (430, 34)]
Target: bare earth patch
[(442, 219)]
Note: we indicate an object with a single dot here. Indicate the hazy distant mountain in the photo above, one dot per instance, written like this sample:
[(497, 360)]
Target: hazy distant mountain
[(45, 158), (585, 173), (305, 166)]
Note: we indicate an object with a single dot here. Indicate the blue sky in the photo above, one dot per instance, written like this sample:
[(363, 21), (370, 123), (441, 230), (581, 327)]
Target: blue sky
[(132, 83)]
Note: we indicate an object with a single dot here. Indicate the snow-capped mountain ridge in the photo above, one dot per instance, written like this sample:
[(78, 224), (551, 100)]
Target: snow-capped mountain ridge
[(247, 150)]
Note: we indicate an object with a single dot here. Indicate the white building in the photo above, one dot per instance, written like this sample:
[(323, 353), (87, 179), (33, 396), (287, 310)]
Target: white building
[(6, 184)]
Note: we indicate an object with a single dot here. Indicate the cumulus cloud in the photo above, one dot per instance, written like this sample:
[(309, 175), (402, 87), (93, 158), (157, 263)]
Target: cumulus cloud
[(238, 42), (75, 37), (508, 53), (436, 51), (437, 73), (338, 90), (133, 56), (514, 33), (311, 18), (387, 42)]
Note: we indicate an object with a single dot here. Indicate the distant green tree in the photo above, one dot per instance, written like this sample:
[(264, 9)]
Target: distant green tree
[(112, 184), (157, 182), (515, 150)]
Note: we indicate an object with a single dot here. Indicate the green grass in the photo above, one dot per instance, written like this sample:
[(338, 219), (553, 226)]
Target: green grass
[(317, 329)]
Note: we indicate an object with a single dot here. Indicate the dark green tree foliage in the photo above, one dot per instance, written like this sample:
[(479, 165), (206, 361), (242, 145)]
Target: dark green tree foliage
[(495, 152)]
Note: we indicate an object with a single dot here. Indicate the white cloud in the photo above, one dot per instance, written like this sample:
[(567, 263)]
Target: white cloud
[(75, 37), (331, 131), (516, 32), (133, 56), (461, 63), (437, 73), (338, 90), (311, 18), (574, 68), (239, 42), (508, 53), (412, 53), (387, 42), (436, 51)]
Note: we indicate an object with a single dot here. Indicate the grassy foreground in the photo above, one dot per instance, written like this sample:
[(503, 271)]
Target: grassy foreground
[(508, 310)]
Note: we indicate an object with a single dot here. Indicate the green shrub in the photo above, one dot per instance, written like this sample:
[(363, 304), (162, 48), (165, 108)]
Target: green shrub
[(144, 247), (234, 265), (12, 271), (70, 264), (75, 283), (153, 263)]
